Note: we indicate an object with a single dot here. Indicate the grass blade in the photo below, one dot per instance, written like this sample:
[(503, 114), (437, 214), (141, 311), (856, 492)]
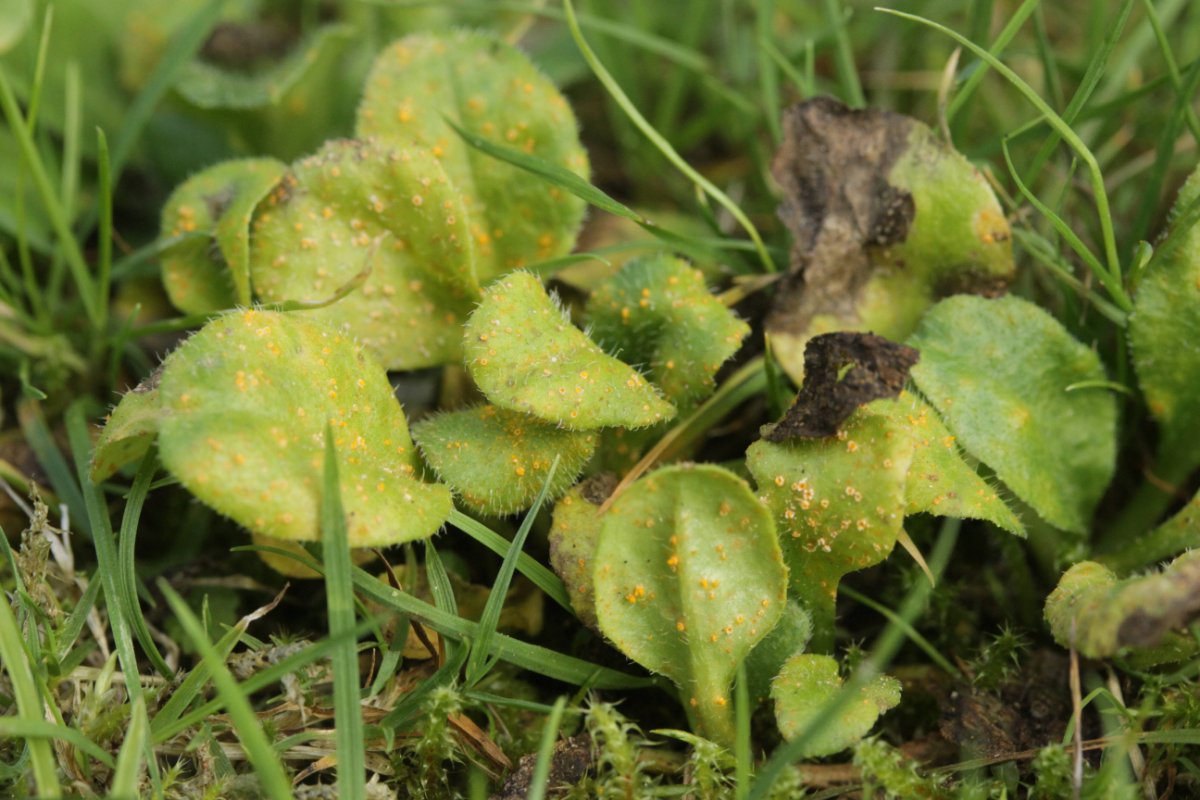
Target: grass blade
[(39, 730), (127, 559), (478, 664), (541, 576), (22, 675), (843, 55), (104, 199), (130, 758), (246, 725), (663, 146), (545, 753), (339, 598)]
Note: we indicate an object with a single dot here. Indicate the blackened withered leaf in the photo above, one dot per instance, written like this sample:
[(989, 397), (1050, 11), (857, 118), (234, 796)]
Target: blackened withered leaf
[(886, 219), (842, 371)]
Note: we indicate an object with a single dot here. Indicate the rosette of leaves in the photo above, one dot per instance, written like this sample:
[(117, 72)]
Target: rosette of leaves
[(1100, 615), (209, 270), (657, 314), (839, 503), (491, 90), (356, 206), (240, 411), (1024, 397), (886, 218), (1164, 333), (688, 577), (498, 460), (808, 682), (526, 356)]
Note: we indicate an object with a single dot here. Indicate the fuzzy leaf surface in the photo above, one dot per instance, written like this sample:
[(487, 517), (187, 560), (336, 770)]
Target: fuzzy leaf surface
[(355, 205), (839, 503), (998, 372), (497, 460), (657, 313), (806, 683), (246, 400), (526, 356), (491, 89), (573, 535), (128, 432), (1164, 333), (211, 271), (689, 577)]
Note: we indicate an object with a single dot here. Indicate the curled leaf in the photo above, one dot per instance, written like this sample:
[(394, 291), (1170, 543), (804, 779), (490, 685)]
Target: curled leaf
[(656, 313), (807, 683), (129, 430), (526, 356), (688, 578), (842, 371), (245, 402), (885, 217), (497, 460), (1101, 616), (492, 90), (573, 536), (356, 205), (998, 372), (210, 271)]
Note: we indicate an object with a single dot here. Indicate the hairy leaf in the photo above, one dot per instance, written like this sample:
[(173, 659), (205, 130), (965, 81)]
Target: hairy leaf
[(497, 460), (354, 206), (807, 683), (211, 270), (526, 356), (573, 536), (689, 577), (839, 504), (246, 401), (999, 372), (491, 89), (657, 314), (129, 430)]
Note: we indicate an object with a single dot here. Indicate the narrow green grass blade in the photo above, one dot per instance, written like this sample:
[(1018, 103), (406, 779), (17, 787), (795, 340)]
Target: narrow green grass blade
[(178, 54), (1048, 255), (541, 576), (545, 753), (478, 663), (1055, 121), (54, 210), (39, 730), (24, 682), (69, 633), (246, 725), (69, 184), (912, 633), (1164, 46), (130, 758), (396, 720), (195, 681), (663, 146), (162, 730), (768, 76), (50, 458), (742, 744), (127, 559), (339, 598), (1087, 85), (843, 54), (886, 646), (34, 102), (1001, 42), (1115, 291), (442, 591)]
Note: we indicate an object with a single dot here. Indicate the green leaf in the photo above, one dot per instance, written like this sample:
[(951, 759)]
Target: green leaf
[(789, 638), (998, 372), (496, 460), (839, 504), (492, 90), (574, 531), (689, 577), (15, 16), (245, 403), (129, 430), (807, 683), (211, 271), (526, 356), (940, 481), (1101, 616), (354, 206), (657, 314), (1164, 333)]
